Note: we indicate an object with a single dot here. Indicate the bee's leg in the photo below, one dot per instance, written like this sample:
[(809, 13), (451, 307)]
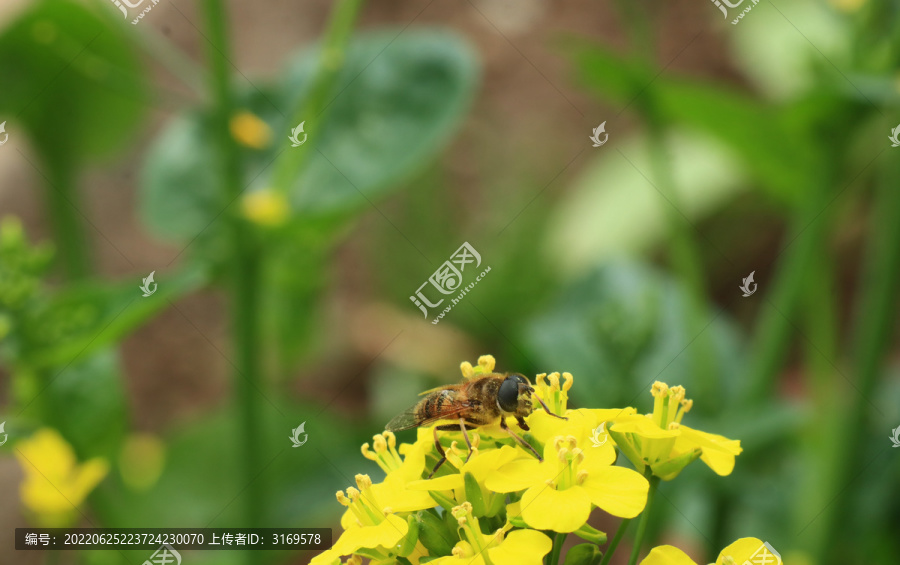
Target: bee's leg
[(521, 441), (548, 410), (440, 450), (463, 428), (521, 421)]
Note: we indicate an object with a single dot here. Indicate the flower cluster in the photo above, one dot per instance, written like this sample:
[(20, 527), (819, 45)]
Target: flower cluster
[(497, 504)]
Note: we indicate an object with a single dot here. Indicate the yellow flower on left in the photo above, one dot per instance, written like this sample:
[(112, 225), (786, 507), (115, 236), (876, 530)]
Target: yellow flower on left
[(55, 484), (249, 130)]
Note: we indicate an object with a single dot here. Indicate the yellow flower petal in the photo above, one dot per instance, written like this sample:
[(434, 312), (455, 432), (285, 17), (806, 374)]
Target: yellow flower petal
[(656, 443), (249, 130), (447, 482), (327, 557), (718, 451), (399, 497), (617, 490), (521, 547), (667, 555), (741, 550), (386, 534), (518, 475), (546, 508)]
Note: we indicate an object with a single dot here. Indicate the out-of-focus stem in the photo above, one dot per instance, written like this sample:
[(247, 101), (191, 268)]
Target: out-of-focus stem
[(312, 110), (68, 226), (874, 327), (245, 270)]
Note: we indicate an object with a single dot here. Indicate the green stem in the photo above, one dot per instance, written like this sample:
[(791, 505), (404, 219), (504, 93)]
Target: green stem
[(558, 541), (245, 272), (615, 541), (68, 227), (874, 325), (312, 109), (645, 520)]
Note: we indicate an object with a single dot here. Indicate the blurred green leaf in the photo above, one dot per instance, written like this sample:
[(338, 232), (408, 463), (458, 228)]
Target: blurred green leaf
[(617, 330), (397, 103), (86, 403), (84, 318), (76, 86), (777, 151), (399, 98)]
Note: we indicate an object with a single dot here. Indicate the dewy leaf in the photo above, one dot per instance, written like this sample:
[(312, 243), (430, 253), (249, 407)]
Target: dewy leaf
[(397, 101), (73, 77)]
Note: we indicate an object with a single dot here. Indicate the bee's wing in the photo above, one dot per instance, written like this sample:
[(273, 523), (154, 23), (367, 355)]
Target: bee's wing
[(405, 420)]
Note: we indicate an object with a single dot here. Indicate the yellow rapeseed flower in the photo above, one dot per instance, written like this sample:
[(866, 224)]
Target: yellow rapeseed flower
[(55, 484), (561, 490), (518, 547), (661, 441), (249, 130), (735, 554)]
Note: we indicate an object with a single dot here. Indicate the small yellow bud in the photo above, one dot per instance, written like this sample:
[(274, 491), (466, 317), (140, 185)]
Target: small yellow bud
[(265, 207), (250, 131)]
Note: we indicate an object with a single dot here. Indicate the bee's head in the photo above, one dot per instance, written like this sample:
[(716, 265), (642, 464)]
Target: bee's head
[(514, 395)]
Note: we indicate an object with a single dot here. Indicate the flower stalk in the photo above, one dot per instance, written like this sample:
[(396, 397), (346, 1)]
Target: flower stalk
[(645, 520)]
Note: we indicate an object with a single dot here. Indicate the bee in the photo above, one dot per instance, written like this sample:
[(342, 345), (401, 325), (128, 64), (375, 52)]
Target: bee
[(479, 401)]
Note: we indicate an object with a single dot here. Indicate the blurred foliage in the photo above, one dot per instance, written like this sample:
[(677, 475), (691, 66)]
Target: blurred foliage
[(571, 289)]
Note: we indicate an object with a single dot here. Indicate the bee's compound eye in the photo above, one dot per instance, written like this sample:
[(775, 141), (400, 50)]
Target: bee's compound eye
[(508, 395)]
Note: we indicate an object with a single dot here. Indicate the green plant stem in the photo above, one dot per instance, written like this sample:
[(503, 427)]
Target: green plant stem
[(68, 226), (312, 109), (607, 555), (558, 541), (245, 273), (645, 521), (875, 324)]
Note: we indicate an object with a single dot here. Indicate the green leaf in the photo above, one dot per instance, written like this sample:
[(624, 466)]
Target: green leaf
[(398, 100), (395, 106), (86, 403), (778, 152), (76, 87), (85, 318)]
